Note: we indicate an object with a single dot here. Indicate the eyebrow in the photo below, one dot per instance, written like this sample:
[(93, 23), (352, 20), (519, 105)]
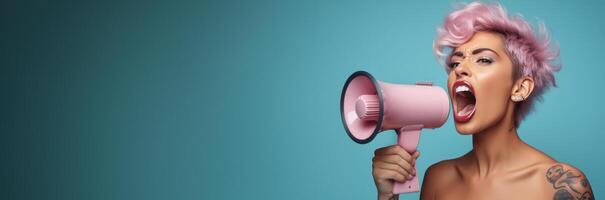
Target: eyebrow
[(476, 51)]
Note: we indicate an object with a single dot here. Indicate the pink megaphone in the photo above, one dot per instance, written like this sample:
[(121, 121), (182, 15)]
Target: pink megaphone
[(368, 106)]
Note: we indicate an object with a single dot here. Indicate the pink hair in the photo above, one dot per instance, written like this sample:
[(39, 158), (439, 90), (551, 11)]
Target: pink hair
[(531, 54)]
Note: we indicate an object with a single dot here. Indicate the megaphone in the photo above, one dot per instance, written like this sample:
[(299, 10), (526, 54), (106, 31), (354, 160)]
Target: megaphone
[(368, 107)]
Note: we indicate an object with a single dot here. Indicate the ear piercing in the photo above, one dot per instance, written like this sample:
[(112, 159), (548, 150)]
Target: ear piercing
[(517, 98)]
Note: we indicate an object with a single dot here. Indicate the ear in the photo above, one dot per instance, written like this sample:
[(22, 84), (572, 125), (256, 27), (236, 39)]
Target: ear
[(522, 87)]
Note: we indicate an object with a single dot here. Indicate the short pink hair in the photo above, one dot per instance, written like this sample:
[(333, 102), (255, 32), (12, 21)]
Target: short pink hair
[(531, 54)]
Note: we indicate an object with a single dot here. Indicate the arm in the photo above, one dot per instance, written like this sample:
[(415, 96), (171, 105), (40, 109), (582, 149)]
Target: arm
[(437, 177), (427, 192), (569, 182), (390, 164)]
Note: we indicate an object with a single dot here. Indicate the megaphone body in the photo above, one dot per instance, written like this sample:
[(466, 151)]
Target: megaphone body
[(369, 106)]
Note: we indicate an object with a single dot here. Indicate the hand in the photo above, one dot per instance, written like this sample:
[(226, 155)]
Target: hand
[(392, 163)]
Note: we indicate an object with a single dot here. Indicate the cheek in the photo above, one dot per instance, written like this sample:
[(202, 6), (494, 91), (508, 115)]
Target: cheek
[(494, 92), (451, 78)]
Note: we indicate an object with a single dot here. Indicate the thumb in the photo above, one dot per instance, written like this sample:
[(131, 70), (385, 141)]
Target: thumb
[(416, 155)]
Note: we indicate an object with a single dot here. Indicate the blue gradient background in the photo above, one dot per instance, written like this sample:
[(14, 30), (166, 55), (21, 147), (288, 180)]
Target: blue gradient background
[(239, 99)]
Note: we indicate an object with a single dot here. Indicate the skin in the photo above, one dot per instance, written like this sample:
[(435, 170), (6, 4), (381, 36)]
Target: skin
[(500, 165)]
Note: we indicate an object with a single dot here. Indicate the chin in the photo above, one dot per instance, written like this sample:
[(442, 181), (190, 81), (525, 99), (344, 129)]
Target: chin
[(466, 128)]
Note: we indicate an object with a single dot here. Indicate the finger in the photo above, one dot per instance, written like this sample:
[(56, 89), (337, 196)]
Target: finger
[(382, 150), (388, 174), (416, 155), (395, 149), (394, 159), (390, 166), (387, 150)]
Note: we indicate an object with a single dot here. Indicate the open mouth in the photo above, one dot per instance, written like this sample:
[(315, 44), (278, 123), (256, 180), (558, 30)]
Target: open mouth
[(464, 101)]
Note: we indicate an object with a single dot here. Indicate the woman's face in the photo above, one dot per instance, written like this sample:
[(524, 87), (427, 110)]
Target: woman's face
[(480, 82)]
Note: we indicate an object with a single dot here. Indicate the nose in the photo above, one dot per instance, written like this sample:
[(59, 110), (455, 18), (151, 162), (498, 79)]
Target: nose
[(462, 70)]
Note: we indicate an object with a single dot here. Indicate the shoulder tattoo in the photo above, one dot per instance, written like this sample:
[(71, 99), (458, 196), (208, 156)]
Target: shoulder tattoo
[(569, 183)]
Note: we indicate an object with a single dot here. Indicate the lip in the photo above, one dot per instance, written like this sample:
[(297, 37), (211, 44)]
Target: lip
[(467, 117)]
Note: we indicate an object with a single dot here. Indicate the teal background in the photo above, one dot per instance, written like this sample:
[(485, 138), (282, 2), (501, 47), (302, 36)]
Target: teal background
[(240, 99)]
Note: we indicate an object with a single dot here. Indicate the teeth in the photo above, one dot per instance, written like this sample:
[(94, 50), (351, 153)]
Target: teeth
[(462, 88)]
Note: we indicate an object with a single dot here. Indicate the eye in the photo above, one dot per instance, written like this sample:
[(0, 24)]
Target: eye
[(454, 64), (485, 61)]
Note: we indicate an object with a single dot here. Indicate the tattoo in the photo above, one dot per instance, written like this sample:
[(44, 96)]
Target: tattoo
[(569, 184), (563, 195)]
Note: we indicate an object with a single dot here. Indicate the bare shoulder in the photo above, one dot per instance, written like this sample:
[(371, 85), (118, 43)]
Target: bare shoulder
[(568, 182), (437, 176), (445, 170), (560, 180)]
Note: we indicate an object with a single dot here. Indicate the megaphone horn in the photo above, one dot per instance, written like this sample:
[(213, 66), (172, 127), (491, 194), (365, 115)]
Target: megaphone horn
[(368, 107)]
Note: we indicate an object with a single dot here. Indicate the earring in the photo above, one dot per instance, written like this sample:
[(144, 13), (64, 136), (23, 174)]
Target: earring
[(517, 98)]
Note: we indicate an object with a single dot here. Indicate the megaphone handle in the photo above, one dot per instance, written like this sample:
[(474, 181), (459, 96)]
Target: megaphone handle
[(408, 137)]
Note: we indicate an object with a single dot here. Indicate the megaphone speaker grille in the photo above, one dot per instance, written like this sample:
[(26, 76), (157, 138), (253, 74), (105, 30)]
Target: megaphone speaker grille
[(361, 107)]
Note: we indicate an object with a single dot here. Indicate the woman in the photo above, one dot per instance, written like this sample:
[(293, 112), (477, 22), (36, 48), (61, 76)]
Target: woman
[(497, 69)]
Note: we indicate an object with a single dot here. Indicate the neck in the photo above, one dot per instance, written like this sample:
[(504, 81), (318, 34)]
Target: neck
[(495, 148)]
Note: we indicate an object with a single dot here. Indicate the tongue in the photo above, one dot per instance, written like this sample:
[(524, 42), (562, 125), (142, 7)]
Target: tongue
[(466, 110)]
